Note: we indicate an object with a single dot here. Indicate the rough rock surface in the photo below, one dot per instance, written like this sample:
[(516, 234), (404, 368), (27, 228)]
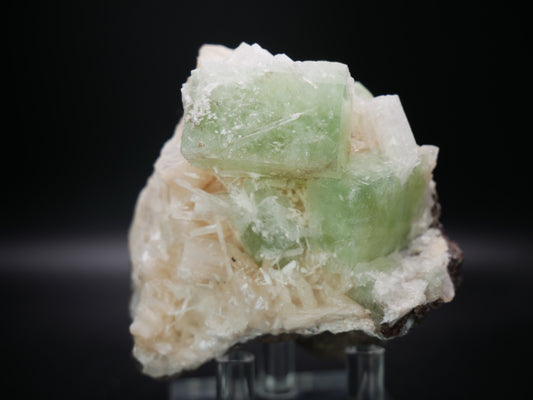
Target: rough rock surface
[(199, 289)]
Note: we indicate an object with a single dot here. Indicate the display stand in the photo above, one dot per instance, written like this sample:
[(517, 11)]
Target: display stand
[(363, 378), (276, 377), (235, 376), (366, 372)]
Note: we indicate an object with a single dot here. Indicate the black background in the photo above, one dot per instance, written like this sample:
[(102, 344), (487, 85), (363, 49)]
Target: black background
[(92, 91)]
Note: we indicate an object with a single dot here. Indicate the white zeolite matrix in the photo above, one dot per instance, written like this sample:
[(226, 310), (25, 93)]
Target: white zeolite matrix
[(289, 200)]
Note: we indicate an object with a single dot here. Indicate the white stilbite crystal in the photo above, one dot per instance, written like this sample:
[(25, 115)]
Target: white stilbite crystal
[(198, 291)]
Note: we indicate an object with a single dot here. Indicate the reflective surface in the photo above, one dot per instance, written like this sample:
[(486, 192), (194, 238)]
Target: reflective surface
[(365, 365), (236, 376)]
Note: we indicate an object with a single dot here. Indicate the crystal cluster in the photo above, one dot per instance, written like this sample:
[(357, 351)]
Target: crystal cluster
[(288, 201)]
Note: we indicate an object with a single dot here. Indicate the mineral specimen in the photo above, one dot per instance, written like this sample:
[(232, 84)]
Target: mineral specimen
[(289, 200)]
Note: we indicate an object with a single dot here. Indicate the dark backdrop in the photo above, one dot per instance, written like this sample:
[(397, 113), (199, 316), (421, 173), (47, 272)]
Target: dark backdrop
[(93, 91)]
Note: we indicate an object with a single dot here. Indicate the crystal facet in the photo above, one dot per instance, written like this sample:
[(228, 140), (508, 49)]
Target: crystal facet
[(268, 115)]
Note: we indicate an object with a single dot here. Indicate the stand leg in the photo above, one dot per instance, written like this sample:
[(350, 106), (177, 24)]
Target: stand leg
[(277, 380), (235, 376), (366, 372)]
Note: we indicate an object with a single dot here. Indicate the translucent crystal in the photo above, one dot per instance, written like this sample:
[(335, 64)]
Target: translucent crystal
[(365, 214), (264, 114)]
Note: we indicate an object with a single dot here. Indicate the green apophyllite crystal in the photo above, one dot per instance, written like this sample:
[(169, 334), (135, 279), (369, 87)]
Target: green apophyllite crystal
[(367, 213), (268, 117)]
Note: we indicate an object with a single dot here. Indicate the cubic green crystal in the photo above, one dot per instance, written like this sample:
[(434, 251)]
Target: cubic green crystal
[(365, 214), (278, 117)]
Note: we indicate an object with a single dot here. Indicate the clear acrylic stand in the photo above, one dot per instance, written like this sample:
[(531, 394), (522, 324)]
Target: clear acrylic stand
[(276, 376), (235, 376), (362, 379), (365, 366)]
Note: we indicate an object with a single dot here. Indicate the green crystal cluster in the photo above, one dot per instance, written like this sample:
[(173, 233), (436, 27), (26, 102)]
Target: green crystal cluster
[(279, 133), (289, 201)]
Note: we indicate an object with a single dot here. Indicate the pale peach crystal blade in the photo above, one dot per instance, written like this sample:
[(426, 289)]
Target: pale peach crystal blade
[(288, 201)]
